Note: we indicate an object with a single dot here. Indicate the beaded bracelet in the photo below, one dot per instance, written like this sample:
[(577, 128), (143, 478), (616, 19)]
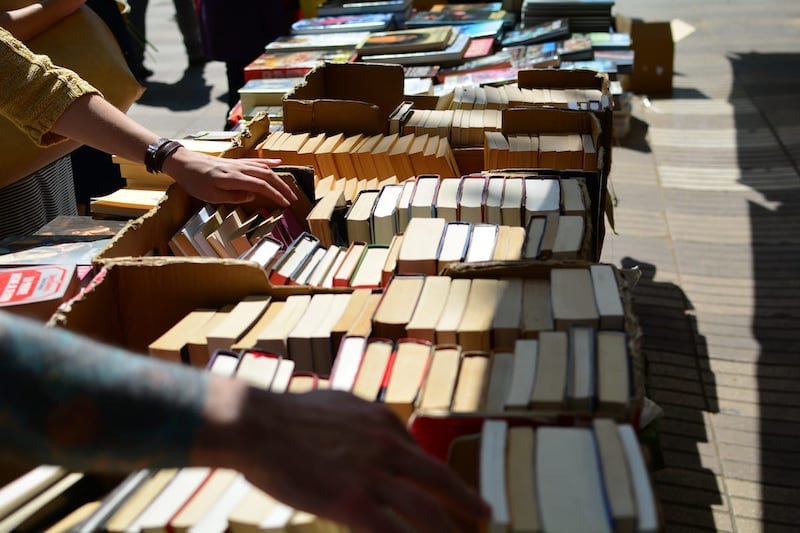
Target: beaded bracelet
[(158, 152)]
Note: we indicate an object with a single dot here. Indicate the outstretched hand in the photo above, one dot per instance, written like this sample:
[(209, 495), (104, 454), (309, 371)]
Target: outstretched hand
[(339, 457), (227, 181)]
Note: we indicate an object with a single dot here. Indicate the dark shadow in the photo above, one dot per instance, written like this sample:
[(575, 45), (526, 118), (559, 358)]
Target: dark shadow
[(679, 380), (636, 139), (770, 84), (688, 93), (188, 93)]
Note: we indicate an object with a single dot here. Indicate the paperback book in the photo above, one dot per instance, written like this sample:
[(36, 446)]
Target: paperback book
[(318, 41), (344, 23)]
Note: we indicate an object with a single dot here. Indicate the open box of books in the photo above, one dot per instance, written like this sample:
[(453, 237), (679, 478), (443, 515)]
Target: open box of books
[(345, 98), (550, 350), (156, 232)]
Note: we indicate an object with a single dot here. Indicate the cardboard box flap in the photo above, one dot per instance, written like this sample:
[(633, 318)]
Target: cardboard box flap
[(563, 79), (334, 116), (374, 83)]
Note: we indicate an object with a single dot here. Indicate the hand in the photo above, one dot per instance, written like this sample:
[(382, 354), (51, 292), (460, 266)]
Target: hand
[(227, 181), (336, 456)]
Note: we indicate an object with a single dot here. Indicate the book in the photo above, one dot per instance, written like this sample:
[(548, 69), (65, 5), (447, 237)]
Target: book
[(300, 343), (617, 481), (195, 510), (446, 203), (450, 318), (273, 338), (404, 204), (607, 297), (397, 307), (340, 7), (524, 365), (440, 383), (372, 22), (351, 258), (499, 382), (363, 324), (27, 486), (372, 373), (258, 368), (355, 305), (322, 349), (384, 215), (455, 244), (581, 361), (236, 323), (420, 248), (342, 155), (348, 361), (471, 198), (509, 243), (550, 382), (513, 196), (474, 329), (522, 498), (359, 215), (250, 339), (133, 507), (506, 323), (287, 64), (390, 265), (223, 363), (219, 508), (572, 298), (168, 502), (468, 15), (172, 345), (266, 92), (542, 198), (292, 261), (613, 372), (407, 372), (369, 271), (481, 243), (646, 510), (37, 291), (493, 481), (568, 478), (536, 301), (429, 307), (472, 384), (406, 41), (112, 502), (451, 54), (318, 41), (128, 203), (548, 31), (534, 236), (422, 203)]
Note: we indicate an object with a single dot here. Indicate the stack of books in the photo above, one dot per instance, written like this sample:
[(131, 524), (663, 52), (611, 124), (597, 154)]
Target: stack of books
[(434, 45), (584, 15)]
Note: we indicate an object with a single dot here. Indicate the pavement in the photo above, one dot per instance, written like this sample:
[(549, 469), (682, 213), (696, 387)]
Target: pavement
[(708, 202)]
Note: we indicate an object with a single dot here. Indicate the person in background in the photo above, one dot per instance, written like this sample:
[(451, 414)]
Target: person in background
[(50, 104), (186, 16), (236, 32)]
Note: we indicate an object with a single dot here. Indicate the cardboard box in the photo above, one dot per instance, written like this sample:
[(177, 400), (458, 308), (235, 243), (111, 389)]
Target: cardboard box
[(344, 98), (548, 120), (132, 302), (653, 45), (435, 431)]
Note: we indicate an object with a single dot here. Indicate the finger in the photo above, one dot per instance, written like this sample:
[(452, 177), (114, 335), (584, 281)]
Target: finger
[(265, 173), (436, 477), (254, 185), (272, 162), (378, 518), (414, 506), (221, 196)]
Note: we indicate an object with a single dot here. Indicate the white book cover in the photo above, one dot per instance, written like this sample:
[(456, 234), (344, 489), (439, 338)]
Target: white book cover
[(526, 354), (646, 511), (283, 375), (348, 361), (542, 196), (482, 243), (422, 203), (258, 370), (324, 266), (447, 199), (384, 216), (403, 206), (156, 516), (455, 242)]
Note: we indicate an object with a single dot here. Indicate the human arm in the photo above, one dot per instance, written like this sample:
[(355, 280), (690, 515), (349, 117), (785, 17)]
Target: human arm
[(27, 22), (67, 400), (50, 103)]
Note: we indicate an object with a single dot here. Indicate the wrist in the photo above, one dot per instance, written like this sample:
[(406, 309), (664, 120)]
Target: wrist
[(158, 152)]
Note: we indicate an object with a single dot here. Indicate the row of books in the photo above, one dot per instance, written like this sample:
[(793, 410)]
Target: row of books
[(556, 151), (581, 372), (376, 215), (481, 314), (363, 156), (562, 479), (511, 95)]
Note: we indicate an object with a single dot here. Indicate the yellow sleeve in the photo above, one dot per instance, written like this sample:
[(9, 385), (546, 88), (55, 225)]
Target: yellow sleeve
[(33, 92)]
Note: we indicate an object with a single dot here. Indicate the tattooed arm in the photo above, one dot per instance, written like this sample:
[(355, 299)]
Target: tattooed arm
[(67, 400)]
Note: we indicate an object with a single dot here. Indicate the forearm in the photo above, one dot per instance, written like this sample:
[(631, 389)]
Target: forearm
[(92, 120), (27, 22), (71, 401)]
